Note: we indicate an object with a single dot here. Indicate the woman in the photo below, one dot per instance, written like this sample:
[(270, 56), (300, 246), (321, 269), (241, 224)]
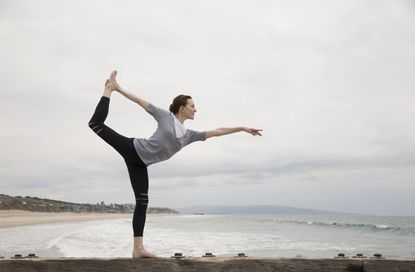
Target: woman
[(138, 153)]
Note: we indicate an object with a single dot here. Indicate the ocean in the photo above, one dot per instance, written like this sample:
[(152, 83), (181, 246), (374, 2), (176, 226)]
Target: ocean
[(311, 236)]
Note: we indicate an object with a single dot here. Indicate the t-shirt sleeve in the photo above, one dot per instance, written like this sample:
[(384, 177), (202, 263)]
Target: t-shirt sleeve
[(157, 113), (196, 136)]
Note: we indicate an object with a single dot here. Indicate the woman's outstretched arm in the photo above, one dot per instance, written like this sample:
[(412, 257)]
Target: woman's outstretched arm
[(224, 131), (112, 84), (140, 101)]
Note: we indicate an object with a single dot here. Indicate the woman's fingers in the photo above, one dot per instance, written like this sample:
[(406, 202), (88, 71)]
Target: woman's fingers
[(254, 131), (257, 132)]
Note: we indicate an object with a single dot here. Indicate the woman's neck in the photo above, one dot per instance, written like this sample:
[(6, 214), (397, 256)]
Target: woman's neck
[(180, 117)]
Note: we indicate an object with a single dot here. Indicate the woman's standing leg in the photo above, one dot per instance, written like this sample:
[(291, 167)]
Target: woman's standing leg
[(139, 182)]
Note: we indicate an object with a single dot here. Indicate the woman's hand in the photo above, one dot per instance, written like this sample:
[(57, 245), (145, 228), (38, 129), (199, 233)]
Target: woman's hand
[(253, 131)]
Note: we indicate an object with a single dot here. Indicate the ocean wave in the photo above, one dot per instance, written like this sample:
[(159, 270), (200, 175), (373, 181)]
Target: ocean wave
[(105, 238), (363, 226)]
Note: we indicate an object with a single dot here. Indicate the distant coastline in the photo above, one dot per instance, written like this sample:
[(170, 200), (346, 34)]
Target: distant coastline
[(253, 209), (35, 204)]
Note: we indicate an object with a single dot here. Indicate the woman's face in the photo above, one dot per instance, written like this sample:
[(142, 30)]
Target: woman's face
[(189, 110)]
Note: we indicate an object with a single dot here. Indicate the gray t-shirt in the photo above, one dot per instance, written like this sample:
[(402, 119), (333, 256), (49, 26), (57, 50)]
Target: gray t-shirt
[(163, 144)]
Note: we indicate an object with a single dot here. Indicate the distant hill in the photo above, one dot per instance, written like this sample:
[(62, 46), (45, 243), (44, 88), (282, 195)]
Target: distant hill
[(36, 204), (258, 209)]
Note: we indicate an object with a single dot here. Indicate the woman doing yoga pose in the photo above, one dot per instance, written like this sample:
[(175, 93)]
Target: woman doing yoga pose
[(138, 153)]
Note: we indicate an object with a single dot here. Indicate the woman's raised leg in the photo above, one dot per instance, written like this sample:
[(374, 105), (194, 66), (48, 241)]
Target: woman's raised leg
[(117, 141)]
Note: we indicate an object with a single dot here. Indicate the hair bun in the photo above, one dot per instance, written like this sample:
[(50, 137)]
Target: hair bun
[(179, 101)]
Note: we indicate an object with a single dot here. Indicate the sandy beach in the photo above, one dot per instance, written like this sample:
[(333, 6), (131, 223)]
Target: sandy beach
[(13, 218)]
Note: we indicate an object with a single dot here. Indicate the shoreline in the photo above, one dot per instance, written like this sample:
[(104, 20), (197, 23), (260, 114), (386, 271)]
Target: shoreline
[(16, 218)]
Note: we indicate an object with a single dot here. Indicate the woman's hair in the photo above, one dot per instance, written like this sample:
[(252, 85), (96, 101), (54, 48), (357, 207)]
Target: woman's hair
[(178, 101)]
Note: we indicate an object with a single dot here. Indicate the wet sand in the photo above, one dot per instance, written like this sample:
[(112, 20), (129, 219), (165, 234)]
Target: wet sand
[(14, 218)]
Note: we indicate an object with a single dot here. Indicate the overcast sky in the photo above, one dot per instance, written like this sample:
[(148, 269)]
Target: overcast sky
[(330, 82)]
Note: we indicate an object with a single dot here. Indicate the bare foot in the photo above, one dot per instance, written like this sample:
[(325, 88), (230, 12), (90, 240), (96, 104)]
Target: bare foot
[(142, 253), (111, 83)]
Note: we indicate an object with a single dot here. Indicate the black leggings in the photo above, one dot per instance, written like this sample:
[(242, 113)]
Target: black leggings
[(136, 168)]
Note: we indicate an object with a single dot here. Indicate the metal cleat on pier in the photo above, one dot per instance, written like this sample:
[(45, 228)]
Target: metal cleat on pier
[(360, 256), (209, 255), (178, 255), (17, 256), (377, 256), (341, 256)]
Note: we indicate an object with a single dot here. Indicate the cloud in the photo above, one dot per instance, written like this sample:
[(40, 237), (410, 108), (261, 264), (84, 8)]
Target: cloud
[(330, 84)]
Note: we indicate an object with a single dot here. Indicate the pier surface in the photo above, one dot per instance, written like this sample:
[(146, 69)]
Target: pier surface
[(206, 264)]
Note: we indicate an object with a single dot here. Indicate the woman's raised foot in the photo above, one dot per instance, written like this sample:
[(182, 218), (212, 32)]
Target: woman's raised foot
[(111, 83)]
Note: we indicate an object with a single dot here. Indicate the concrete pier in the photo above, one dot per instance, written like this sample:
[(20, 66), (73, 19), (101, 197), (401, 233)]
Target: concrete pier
[(206, 265)]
